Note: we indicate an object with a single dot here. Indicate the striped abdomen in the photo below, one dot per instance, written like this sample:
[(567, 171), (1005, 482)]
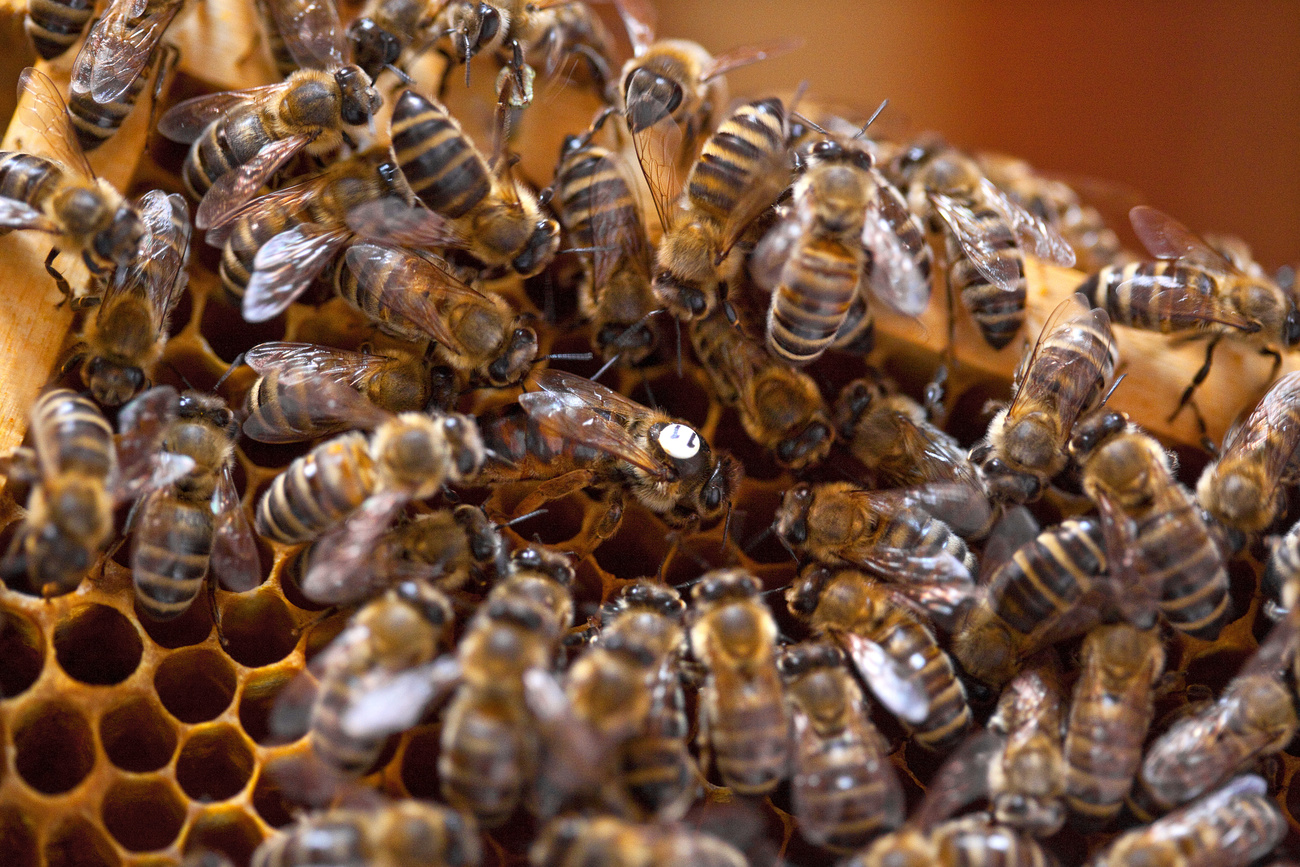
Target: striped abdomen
[(749, 731), (999, 312), (318, 490), (96, 122), (439, 161), (488, 755), (657, 769), (173, 541), (1045, 576), (921, 536), (743, 145), (907, 641), (381, 299), (54, 25), (1139, 295), (227, 143), (520, 449), (593, 196), (28, 178), (811, 302), (1176, 553), (346, 752), (974, 841), (81, 438), (280, 413)]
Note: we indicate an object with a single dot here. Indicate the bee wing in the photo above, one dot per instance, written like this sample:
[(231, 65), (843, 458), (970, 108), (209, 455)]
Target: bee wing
[(565, 416), (896, 277), (163, 252), (617, 232), (940, 602), (41, 108), (1275, 427), (1166, 238), (962, 779), (587, 392), (424, 288), (1075, 380), (287, 265), (345, 554), (575, 753), (187, 120), (1033, 233), (234, 552), (1209, 811), (118, 49), (340, 365), (639, 19), (236, 188), (141, 425), (20, 215), (770, 254), (1278, 649), (890, 680), (747, 54), (311, 30), (393, 221), (1186, 302), (397, 701), (962, 507), (658, 152), (1121, 587), (1002, 271), (334, 401), (1017, 527)]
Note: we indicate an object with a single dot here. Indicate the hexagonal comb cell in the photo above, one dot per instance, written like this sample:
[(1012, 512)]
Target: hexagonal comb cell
[(137, 736), (76, 842), (215, 763), (257, 701), (231, 831), (143, 814), (195, 684), (97, 645), (54, 749), (17, 839), (22, 647), (259, 629)]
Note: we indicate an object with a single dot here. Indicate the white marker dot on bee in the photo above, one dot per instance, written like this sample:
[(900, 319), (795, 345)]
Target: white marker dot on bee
[(679, 441)]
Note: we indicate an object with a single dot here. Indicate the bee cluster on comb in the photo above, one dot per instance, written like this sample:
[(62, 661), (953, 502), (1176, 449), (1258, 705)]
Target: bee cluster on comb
[(473, 445)]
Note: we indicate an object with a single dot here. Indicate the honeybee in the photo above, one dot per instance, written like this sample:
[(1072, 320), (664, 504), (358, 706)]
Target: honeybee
[(889, 434), (195, 524), (1245, 487), (780, 408), (482, 211), (1254, 717), (986, 235), (281, 406), (1194, 289), (744, 166), (1162, 554), (1042, 593), (574, 841), (599, 212), (406, 833), (1109, 715), (844, 789), (55, 25), (1027, 778), (626, 687), (890, 647), (120, 347), (399, 631), (78, 477), (240, 139), (892, 533), (849, 230), (110, 70), (744, 726), (1283, 562), (383, 32), (363, 481), (1062, 380), (574, 433), (60, 194), (1094, 243), (411, 296), (1235, 825)]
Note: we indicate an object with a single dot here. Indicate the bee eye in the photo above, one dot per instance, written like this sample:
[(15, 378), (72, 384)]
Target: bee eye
[(824, 148), (863, 160), (1291, 329), (491, 23)]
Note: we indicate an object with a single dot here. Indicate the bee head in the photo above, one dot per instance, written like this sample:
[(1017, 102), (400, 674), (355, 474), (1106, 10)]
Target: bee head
[(475, 26), (539, 250), (808, 446), (649, 97), (514, 363), (359, 100), (791, 522), (373, 47), (725, 584)]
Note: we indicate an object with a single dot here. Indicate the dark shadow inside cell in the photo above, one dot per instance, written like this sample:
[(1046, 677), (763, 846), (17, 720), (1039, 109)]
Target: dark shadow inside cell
[(54, 748), (228, 334), (971, 412), (420, 763), (637, 549), (257, 701), (258, 627), (195, 685), (730, 436), (97, 645), (143, 814), (231, 832), (215, 764), (22, 647), (17, 838), (270, 800), (192, 627), (136, 736), (76, 842)]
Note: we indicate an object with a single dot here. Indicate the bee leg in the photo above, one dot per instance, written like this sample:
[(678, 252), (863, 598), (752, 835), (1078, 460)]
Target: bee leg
[(554, 489), (609, 515), (1195, 384), (64, 287), (211, 583)]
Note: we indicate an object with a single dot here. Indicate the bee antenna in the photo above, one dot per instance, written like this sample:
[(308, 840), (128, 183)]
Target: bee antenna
[(497, 456), (452, 496), (400, 73), (1114, 385), (607, 248), (234, 365), (872, 119), (809, 121), (176, 370), (771, 591), (567, 356), (645, 381), (521, 518), (726, 526), (730, 312), (789, 550), (606, 366)]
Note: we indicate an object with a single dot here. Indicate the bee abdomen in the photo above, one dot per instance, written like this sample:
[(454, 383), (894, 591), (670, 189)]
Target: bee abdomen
[(730, 157), (657, 772), (439, 161), (54, 25), (169, 565), (96, 122), (1103, 747), (81, 436), (28, 178), (482, 761), (348, 753), (1043, 577), (317, 490), (812, 300), (752, 748), (949, 715)]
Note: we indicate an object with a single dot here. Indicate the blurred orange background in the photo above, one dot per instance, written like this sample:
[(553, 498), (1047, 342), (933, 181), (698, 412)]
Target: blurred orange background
[(1194, 105)]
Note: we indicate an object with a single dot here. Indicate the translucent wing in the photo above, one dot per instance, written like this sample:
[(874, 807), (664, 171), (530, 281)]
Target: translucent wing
[(735, 58), (588, 392), (960, 506), (119, 48), (187, 120), (1016, 528), (890, 680), (1033, 233), (340, 365), (311, 31), (20, 215), (770, 254), (236, 188), (1185, 301), (617, 232), (568, 417), (342, 559), (962, 779), (141, 425), (41, 108), (1074, 378), (1166, 238), (658, 152), (234, 552), (1002, 271), (391, 220), (900, 270), (575, 752), (165, 252), (639, 19), (411, 286), (334, 402), (397, 702), (1271, 432), (287, 265)]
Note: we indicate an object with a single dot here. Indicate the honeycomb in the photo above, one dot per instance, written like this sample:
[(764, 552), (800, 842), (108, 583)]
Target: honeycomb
[(129, 742)]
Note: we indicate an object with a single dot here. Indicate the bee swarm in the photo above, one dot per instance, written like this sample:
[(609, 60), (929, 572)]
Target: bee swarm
[(130, 742)]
